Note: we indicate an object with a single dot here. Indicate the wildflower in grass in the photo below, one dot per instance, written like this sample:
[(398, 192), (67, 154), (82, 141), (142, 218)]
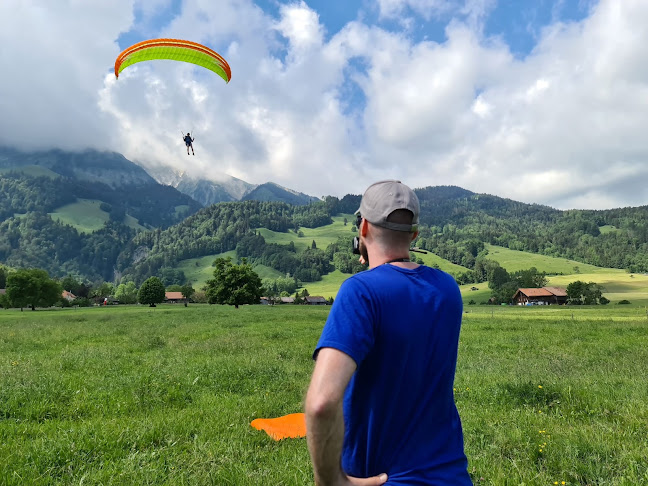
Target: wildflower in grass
[(539, 386), (14, 363)]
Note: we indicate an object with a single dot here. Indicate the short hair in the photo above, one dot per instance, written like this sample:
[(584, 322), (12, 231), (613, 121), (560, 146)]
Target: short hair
[(392, 238)]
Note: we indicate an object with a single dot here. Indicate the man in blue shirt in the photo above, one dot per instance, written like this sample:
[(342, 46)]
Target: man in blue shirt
[(380, 406)]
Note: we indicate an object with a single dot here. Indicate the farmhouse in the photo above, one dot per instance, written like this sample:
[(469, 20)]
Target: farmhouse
[(315, 300), (69, 296), (560, 294), (540, 296), (287, 300), (174, 298)]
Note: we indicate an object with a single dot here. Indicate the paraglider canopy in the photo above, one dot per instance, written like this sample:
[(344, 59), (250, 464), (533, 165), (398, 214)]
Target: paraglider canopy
[(176, 50)]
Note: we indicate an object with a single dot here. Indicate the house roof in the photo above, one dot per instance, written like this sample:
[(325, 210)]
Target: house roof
[(315, 298), (288, 300), (536, 292), (557, 291), (68, 295), (173, 295)]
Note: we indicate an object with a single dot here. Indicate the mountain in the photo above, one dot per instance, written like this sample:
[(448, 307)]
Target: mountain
[(109, 168), (208, 192), (227, 188), (56, 178), (274, 192), (455, 223)]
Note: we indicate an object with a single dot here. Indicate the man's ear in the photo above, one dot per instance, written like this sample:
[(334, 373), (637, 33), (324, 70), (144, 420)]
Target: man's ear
[(364, 227)]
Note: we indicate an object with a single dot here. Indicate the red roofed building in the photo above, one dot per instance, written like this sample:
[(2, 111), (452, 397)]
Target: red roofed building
[(69, 296), (541, 296), (174, 297)]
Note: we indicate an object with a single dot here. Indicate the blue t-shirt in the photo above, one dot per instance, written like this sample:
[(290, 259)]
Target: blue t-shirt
[(401, 327)]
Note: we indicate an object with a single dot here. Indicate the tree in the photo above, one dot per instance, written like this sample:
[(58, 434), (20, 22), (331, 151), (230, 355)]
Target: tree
[(575, 292), (151, 292), (106, 289), (187, 291), (4, 301), (497, 277), (3, 277), (33, 288), (71, 284), (581, 293), (126, 293), (530, 279), (233, 284)]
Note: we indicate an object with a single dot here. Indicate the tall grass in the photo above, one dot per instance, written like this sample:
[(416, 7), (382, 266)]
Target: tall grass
[(134, 395)]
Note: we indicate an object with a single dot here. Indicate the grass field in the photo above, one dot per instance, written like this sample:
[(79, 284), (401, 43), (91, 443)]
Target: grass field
[(135, 395), (86, 216), (199, 270), (618, 284), (513, 260)]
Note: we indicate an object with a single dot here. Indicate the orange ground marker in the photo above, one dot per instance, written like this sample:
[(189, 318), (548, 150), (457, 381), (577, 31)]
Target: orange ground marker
[(289, 426)]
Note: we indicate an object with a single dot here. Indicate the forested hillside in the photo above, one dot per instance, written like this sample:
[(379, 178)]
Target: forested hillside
[(455, 224), (216, 229)]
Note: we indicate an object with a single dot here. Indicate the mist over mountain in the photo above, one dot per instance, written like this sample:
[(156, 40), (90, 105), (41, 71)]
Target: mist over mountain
[(227, 188), (109, 168)]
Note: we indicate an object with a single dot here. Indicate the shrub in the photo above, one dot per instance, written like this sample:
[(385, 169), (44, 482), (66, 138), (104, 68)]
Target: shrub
[(623, 302)]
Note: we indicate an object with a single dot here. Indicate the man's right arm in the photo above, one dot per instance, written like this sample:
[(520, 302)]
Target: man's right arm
[(324, 416)]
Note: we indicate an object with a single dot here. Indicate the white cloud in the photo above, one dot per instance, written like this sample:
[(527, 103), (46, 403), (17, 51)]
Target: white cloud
[(54, 60), (563, 126)]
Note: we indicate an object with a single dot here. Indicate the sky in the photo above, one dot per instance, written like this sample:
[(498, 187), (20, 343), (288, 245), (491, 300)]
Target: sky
[(540, 101)]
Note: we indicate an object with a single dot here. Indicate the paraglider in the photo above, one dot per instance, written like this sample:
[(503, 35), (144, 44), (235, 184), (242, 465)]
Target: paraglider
[(188, 140), (175, 50)]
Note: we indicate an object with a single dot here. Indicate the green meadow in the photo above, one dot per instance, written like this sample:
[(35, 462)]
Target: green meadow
[(165, 395), (86, 216), (513, 260), (617, 284), (199, 270)]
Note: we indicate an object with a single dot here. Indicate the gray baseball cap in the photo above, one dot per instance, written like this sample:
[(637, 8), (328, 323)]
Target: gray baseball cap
[(383, 198)]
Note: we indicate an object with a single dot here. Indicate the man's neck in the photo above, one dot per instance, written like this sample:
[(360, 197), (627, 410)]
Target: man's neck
[(400, 258)]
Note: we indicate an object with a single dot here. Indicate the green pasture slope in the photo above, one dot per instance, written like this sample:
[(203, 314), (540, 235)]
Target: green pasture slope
[(86, 216), (199, 270), (513, 260), (139, 395)]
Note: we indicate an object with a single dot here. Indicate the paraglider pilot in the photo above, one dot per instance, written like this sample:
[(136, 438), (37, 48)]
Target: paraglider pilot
[(188, 142)]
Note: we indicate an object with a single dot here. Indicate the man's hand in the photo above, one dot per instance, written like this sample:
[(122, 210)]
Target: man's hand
[(372, 481)]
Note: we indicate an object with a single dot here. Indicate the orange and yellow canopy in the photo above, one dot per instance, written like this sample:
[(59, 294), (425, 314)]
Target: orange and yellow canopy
[(176, 50)]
